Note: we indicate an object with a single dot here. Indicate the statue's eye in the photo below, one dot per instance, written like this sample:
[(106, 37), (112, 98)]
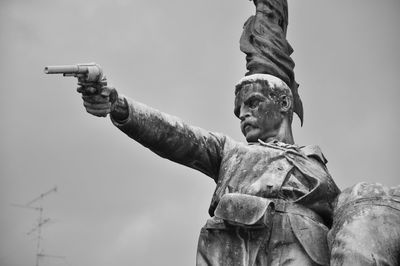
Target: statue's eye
[(253, 103)]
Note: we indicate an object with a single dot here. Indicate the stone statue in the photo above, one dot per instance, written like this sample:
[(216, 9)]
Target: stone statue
[(366, 228), (274, 200)]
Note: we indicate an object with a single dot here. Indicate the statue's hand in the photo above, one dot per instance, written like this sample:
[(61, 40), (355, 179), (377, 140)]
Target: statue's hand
[(98, 98)]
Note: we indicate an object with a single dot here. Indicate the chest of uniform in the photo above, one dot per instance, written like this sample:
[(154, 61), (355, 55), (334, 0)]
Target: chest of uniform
[(255, 170)]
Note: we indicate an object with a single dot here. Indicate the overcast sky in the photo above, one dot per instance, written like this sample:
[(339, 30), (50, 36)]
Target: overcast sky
[(119, 204)]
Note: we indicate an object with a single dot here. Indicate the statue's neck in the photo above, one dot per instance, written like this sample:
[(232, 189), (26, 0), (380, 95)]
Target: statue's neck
[(283, 133)]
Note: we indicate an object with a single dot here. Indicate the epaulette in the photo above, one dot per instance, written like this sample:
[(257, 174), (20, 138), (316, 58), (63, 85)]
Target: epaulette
[(315, 152)]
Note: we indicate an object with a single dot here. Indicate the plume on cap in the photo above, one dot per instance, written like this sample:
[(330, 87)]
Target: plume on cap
[(267, 51)]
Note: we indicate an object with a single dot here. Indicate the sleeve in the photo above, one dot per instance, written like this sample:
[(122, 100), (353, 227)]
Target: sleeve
[(171, 138)]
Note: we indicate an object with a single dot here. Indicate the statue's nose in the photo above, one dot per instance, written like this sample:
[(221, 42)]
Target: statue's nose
[(244, 112)]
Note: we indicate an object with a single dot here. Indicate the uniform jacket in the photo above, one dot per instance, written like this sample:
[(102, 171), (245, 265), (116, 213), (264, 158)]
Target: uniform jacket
[(268, 170)]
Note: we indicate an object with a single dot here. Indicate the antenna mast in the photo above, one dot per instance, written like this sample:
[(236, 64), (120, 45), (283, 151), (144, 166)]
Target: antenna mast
[(40, 222)]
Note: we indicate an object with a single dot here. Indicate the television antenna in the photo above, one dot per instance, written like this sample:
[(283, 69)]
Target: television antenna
[(37, 205)]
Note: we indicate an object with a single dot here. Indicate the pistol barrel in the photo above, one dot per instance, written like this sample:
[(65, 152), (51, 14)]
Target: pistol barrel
[(66, 69), (91, 72)]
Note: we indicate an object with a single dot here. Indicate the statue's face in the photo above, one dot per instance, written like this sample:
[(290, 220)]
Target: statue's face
[(259, 115)]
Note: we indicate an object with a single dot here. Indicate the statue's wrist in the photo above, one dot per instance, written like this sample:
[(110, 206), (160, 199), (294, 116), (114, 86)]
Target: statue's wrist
[(120, 110)]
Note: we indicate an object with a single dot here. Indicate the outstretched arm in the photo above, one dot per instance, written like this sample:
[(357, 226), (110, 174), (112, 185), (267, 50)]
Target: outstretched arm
[(166, 135)]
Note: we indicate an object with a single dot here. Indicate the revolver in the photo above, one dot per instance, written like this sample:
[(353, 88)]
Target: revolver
[(88, 72)]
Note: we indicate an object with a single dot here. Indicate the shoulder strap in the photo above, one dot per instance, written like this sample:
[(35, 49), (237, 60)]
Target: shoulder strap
[(314, 151)]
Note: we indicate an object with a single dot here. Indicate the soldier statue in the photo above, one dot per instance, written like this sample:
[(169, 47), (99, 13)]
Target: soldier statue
[(274, 200)]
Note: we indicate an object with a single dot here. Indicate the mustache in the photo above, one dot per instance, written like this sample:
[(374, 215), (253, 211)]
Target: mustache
[(247, 122)]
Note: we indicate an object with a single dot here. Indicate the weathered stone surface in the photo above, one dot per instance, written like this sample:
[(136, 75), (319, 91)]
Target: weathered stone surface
[(366, 228), (295, 179)]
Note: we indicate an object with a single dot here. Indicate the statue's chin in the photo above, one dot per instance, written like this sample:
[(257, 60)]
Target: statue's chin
[(252, 135)]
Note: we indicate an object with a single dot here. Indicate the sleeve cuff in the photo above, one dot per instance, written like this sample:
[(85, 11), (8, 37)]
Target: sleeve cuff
[(121, 111)]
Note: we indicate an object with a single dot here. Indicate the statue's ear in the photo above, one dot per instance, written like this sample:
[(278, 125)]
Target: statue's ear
[(285, 103)]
